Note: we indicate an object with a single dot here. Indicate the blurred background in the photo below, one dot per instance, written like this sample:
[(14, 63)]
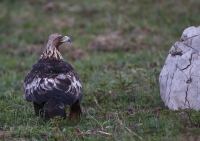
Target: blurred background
[(130, 25), (118, 49)]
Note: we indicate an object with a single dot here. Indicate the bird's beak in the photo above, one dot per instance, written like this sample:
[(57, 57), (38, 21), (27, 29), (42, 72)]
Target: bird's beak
[(65, 39)]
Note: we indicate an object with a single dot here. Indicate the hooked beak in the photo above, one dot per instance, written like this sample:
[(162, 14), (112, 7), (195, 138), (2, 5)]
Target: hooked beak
[(65, 39)]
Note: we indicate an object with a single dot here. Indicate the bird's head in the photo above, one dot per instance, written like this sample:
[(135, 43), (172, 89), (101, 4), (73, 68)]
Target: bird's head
[(52, 48), (55, 40)]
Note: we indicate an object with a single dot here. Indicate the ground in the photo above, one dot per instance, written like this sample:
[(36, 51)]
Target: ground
[(118, 49)]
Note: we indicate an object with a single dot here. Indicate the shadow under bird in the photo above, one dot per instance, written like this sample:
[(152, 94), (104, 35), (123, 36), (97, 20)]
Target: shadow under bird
[(53, 83)]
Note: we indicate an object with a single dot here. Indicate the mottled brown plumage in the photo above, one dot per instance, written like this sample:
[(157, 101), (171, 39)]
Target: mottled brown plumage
[(52, 83)]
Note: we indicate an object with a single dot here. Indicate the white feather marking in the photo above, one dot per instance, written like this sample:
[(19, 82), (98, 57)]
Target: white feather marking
[(69, 76), (77, 85), (34, 83), (45, 81), (62, 106), (61, 76), (51, 81), (42, 86), (56, 81), (46, 84)]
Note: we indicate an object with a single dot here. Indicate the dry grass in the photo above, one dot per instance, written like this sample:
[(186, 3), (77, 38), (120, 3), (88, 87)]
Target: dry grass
[(118, 49)]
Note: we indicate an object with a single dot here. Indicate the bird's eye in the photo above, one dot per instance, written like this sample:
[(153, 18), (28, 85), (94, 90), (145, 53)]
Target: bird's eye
[(60, 37)]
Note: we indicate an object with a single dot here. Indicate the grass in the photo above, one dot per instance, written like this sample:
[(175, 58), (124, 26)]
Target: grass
[(118, 50)]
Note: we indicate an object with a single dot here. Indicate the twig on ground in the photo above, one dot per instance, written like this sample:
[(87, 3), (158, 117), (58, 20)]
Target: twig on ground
[(95, 100), (129, 130), (5, 134), (89, 132)]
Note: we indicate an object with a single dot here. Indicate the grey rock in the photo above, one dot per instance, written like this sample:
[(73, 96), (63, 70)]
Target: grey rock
[(180, 76)]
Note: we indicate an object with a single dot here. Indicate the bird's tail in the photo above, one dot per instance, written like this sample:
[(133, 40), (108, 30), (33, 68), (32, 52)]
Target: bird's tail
[(75, 110), (54, 107)]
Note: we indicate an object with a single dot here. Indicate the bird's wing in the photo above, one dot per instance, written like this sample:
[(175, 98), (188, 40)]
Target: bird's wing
[(45, 82)]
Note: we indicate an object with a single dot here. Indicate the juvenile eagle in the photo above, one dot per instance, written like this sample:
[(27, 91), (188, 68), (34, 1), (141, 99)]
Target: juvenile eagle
[(52, 83)]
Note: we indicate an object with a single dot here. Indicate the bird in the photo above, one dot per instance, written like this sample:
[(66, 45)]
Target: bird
[(52, 83)]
